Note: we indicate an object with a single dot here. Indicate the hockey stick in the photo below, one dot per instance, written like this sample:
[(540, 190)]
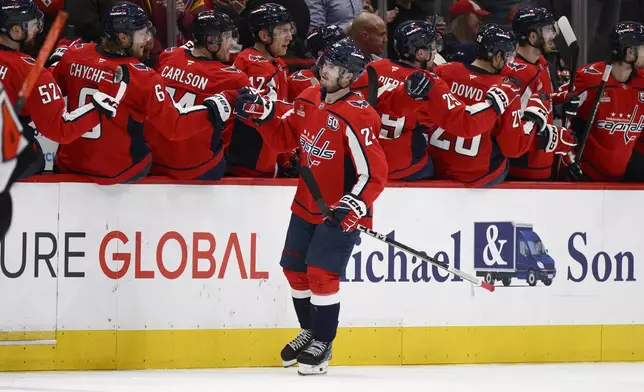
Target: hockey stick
[(571, 40), (28, 85), (593, 113), (372, 89), (313, 187)]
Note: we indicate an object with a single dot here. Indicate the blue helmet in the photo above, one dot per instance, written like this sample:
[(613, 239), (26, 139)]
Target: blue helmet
[(321, 37), (529, 19), (209, 23), (492, 39), (625, 35), (267, 16), (18, 12), (346, 55), (413, 35), (125, 18)]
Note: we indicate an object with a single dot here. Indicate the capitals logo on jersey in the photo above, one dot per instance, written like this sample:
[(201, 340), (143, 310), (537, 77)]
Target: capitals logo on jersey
[(359, 104), (516, 66), (312, 150), (299, 76), (259, 59), (630, 129), (590, 69), (231, 69)]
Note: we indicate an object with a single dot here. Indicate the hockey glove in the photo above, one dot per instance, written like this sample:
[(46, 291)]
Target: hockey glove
[(105, 104), (556, 139), (348, 211), (571, 106), (419, 84), (500, 96), (59, 52), (573, 169), (219, 106), (536, 112), (288, 164), (253, 107)]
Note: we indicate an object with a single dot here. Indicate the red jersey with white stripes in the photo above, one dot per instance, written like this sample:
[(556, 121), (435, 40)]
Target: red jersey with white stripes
[(404, 139), (389, 73), (246, 153), (45, 106), (405, 122), (481, 159), (338, 142), (618, 125), (534, 77), (190, 80), (115, 150)]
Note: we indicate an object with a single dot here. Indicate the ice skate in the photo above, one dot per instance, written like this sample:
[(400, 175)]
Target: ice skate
[(315, 359), (295, 347)]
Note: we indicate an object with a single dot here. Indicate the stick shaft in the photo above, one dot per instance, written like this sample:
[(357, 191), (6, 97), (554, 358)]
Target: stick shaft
[(312, 185), (421, 256), (591, 119)]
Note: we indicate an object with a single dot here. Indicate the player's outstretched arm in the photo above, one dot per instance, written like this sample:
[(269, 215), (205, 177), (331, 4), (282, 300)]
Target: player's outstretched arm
[(48, 110), (437, 105), (172, 120), (518, 128), (278, 132)]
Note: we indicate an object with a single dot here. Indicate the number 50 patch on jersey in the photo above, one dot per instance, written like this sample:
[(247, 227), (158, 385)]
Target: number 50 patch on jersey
[(12, 140)]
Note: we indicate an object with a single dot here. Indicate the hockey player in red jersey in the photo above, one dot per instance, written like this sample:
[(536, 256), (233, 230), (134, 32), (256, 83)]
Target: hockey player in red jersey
[(391, 72), (20, 22), (273, 29), (406, 119), (318, 39), (191, 76), (337, 133), (618, 124), (481, 160), (535, 30), (115, 151)]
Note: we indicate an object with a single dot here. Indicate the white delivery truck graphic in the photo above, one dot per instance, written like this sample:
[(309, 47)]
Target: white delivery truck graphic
[(506, 250)]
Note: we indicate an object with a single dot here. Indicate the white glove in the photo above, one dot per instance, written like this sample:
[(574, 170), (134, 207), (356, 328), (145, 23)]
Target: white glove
[(537, 112), (105, 104)]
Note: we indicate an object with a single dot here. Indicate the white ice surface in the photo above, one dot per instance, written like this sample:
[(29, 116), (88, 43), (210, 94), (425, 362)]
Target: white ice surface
[(604, 377)]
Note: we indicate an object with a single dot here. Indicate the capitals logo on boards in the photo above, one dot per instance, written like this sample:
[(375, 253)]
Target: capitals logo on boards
[(310, 147)]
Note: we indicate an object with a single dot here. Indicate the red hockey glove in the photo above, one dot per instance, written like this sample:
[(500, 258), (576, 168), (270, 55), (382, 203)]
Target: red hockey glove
[(500, 96), (555, 139), (419, 84), (288, 164), (220, 105), (348, 211), (536, 112), (252, 106)]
